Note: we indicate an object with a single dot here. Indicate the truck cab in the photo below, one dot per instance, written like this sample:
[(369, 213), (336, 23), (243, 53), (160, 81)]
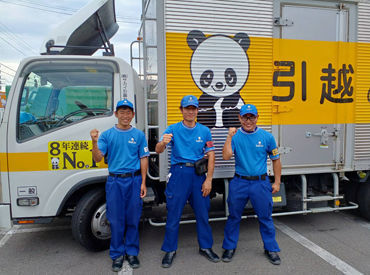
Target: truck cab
[(55, 100)]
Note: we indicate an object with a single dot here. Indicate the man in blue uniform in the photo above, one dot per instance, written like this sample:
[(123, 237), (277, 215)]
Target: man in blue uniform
[(251, 145), (189, 142), (126, 150)]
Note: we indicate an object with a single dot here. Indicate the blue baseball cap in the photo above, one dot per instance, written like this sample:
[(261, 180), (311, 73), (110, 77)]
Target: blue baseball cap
[(124, 103), (248, 109), (189, 100)]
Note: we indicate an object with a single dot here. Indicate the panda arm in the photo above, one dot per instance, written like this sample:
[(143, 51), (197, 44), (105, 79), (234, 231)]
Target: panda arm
[(206, 102), (231, 102), (240, 103)]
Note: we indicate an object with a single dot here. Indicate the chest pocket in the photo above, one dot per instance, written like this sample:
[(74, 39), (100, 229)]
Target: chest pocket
[(198, 144), (261, 147), (132, 146), (190, 142)]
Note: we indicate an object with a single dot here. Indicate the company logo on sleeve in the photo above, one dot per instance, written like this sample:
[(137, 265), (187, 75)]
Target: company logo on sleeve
[(275, 152), (209, 144)]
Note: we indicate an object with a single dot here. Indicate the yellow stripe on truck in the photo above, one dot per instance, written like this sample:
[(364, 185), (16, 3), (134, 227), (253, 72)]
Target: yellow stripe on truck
[(290, 81), (324, 82), (22, 162), (61, 155), (3, 162)]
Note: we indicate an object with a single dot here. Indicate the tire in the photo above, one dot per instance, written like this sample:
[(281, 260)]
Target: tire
[(364, 199), (89, 225)]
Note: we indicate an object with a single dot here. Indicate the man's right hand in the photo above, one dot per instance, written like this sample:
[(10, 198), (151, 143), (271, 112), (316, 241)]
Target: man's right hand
[(94, 135), (167, 138), (232, 131)]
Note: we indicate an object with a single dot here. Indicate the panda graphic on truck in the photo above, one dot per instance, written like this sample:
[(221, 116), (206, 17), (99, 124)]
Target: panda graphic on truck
[(220, 77)]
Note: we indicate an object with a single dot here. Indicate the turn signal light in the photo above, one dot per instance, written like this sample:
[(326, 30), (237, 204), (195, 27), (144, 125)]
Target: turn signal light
[(26, 222)]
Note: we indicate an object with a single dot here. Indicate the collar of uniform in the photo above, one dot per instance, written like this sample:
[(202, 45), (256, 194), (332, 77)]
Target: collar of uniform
[(190, 128), (248, 133), (123, 130)]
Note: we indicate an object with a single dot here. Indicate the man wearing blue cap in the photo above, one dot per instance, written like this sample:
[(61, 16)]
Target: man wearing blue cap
[(189, 142), (250, 146), (126, 150)]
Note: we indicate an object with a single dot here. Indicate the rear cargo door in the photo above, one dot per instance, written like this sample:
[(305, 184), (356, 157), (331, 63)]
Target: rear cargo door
[(313, 147)]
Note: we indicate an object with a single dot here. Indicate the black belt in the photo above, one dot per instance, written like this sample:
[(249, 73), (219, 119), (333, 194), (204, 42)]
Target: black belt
[(261, 177), (187, 164), (126, 175)]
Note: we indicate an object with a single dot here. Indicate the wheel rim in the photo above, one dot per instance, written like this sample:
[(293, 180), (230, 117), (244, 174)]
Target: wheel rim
[(99, 224)]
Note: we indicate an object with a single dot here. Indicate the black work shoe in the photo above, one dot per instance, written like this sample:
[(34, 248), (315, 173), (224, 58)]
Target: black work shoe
[(228, 255), (117, 264), (273, 257), (168, 259), (133, 261), (209, 254)]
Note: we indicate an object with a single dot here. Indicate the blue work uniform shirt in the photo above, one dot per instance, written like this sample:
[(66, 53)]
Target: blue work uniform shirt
[(251, 150), (125, 148), (188, 144)]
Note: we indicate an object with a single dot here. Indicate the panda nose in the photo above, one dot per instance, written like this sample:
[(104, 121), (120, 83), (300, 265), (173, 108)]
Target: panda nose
[(219, 85)]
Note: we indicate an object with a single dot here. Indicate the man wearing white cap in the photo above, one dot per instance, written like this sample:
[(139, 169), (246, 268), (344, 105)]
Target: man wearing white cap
[(189, 142), (126, 150), (250, 146)]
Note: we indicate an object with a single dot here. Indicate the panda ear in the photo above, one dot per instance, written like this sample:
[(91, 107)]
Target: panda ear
[(243, 40), (194, 38)]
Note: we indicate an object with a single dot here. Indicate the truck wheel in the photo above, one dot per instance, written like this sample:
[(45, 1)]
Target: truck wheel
[(90, 226), (364, 199)]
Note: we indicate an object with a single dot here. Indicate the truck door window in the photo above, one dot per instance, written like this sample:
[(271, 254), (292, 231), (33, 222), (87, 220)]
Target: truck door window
[(55, 95)]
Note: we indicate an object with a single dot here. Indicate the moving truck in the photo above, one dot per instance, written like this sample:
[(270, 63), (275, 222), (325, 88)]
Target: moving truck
[(304, 64)]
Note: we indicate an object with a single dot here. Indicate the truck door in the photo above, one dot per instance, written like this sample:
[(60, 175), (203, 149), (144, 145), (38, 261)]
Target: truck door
[(312, 145), (55, 105)]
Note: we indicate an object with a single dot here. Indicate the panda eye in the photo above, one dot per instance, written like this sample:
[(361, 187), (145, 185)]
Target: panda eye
[(230, 77), (206, 78)]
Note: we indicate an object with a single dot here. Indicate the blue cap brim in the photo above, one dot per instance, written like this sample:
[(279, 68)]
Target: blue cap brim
[(191, 104)]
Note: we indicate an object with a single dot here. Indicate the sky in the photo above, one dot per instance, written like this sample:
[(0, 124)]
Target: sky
[(24, 25)]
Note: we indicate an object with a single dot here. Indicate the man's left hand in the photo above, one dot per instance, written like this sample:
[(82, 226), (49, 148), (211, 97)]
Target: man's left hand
[(275, 187), (206, 187), (143, 191)]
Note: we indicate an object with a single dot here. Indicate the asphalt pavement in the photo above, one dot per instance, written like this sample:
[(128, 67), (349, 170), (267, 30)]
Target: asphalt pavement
[(326, 243)]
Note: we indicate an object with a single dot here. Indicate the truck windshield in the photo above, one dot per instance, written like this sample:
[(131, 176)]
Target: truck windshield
[(54, 95)]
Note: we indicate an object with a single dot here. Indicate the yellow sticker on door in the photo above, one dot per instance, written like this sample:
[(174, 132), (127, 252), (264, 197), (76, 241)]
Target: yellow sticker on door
[(67, 155)]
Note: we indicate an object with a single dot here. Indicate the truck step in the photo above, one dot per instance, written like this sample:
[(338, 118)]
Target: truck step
[(322, 209), (323, 198)]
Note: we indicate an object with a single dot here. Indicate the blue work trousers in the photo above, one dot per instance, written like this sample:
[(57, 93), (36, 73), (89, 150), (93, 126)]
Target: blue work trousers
[(259, 192), (124, 207), (184, 185)]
